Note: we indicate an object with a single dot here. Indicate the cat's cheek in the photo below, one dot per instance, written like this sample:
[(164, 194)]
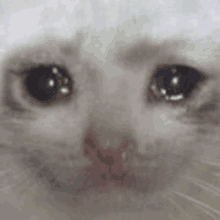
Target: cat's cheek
[(54, 129), (161, 131), (19, 191), (157, 124), (66, 128)]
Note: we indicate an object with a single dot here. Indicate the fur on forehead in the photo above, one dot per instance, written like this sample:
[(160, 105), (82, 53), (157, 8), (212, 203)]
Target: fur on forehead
[(64, 18)]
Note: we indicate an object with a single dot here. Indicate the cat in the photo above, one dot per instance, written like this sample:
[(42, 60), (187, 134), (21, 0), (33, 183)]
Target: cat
[(109, 110)]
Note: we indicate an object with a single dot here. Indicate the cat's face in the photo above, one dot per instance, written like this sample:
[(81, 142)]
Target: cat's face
[(132, 131)]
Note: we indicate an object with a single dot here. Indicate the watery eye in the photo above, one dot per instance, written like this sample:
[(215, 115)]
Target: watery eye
[(174, 83), (47, 83)]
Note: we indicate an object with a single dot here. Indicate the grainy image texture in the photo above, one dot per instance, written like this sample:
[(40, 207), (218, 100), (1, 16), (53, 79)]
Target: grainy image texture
[(109, 110)]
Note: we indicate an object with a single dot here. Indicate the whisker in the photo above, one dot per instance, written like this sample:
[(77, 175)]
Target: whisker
[(207, 212), (209, 187), (197, 202), (210, 163), (179, 207), (174, 203)]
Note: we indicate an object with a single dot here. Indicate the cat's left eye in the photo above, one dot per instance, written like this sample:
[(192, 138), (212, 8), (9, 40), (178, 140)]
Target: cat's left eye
[(174, 83)]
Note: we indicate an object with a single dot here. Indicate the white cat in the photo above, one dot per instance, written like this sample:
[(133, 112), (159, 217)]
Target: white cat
[(109, 110)]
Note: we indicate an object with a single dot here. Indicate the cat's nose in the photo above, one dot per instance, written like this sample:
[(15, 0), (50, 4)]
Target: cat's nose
[(108, 164)]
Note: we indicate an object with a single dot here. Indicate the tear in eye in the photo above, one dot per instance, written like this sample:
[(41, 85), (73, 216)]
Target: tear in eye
[(174, 83), (47, 83)]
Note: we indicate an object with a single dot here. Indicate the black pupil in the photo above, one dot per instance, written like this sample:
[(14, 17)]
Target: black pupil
[(46, 83), (177, 80)]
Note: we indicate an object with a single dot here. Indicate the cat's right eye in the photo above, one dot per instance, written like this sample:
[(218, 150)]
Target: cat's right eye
[(47, 83), (174, 83), (42, 75)]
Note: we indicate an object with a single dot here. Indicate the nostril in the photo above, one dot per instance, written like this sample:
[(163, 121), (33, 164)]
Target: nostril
[(108, 160)]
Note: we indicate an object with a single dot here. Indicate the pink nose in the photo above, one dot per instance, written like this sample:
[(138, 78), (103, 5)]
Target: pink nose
[(107, 167)]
